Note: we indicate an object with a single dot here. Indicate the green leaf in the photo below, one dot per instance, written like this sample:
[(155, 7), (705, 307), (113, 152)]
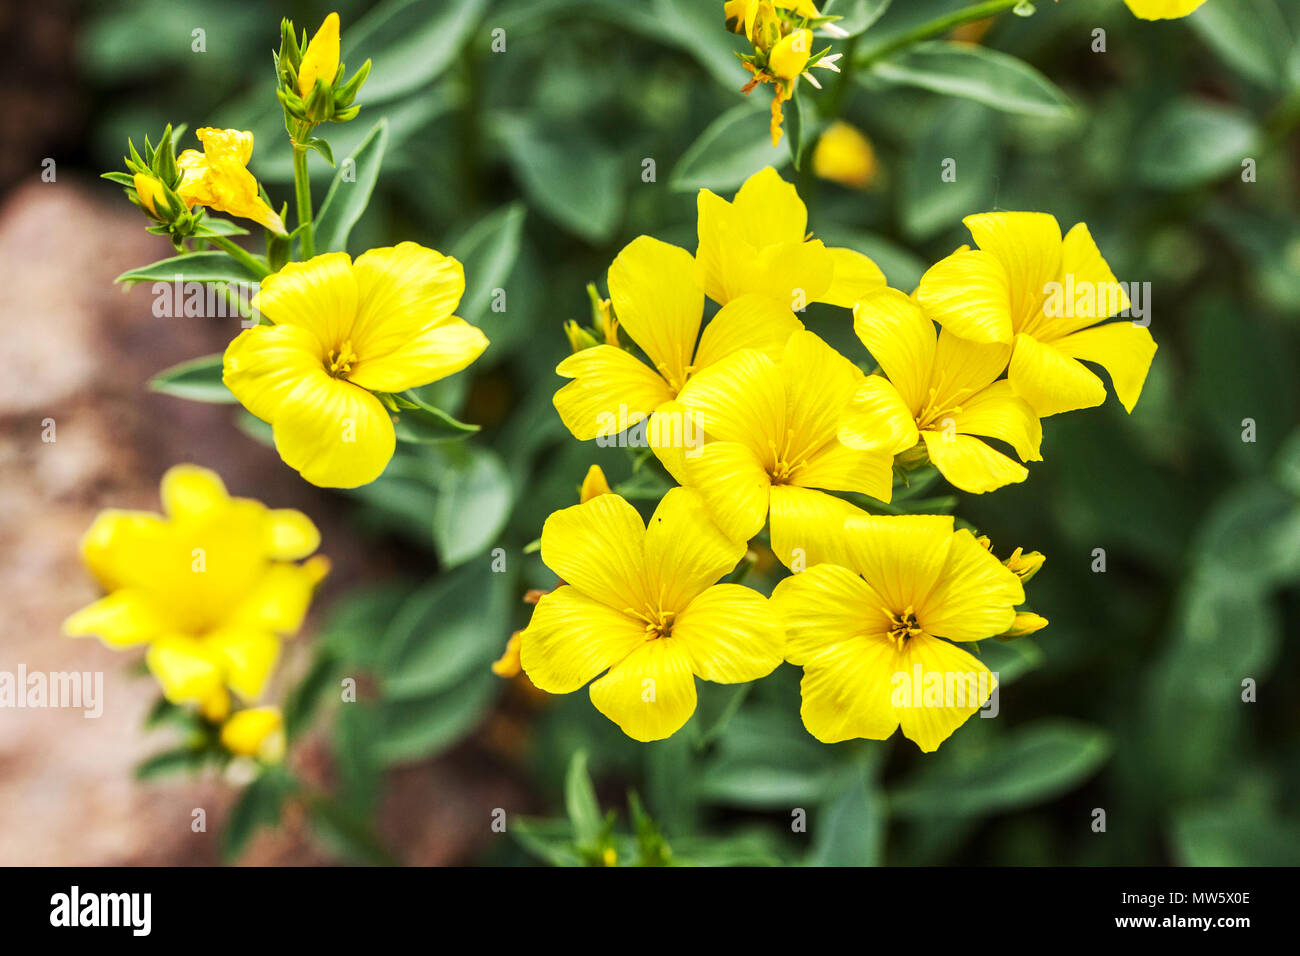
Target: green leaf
[(548, 840), (346, 200), (580, 802), (850, 829), (309, 693), (258, 806), (180, 760), (488, 252), (347, 833), (951, 170), (211, 226), (423, 424), (420, 727), (473, 506), (767, 759), (1028, 766), (977, 73), (192, 267), (857, 15), (410, 43), (1251, 36), (1234, 836), (698, 28), (198, 380), (734, 146), (1191, 142)]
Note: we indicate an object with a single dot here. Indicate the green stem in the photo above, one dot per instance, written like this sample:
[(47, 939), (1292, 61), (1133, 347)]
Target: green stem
[(936, 27), (240, 255), (302, 188)]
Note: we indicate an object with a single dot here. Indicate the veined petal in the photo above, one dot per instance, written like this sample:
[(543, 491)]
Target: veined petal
[(1097, 293), (731, 634), (673, 433), (818, 383), (969, 294), (611, 390), (1028, 244), (962, 367), (847, 691), (837, 467), (746, 322), (734, 485), (335, 434), (599, 548), (657, 296), (1123, 349), (901, 338), (264, 365), (769, 209), (953, 685), (807, 526), (685, 552), (855, 278), (723, 254), (793, 273), (975, 596), (190, 492), (824, 607), (402, 290), (970, 464), (246, 657), (997, 412), (1051, 381), (120, 619), (878, 419), (186, 668), (740, 399), (319, 295), (901, 556), (650, 694), (572, 638), (434, 353)]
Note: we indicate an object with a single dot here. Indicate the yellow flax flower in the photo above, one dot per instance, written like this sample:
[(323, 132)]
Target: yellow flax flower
[(1162, 9), (218, 177), (872, 630), (1026, 286), (656, 295), (759, 243), (773, 445), (321, 58), (210, 587), (843, 155), (255, 732), (342, 331), (942, 391), (641, 606)]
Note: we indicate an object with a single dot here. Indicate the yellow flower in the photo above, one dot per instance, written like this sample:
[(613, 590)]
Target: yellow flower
[(843, 155), (149, 191), (656, 294), (256, 732), (218, 177), (759, 244), (941, 391), (1162, 9), (342, 331), (321, 58), (772, 429), (868, 632), (641, 606), (211, 587), (790, 55), (1026, 286), (593, 484)]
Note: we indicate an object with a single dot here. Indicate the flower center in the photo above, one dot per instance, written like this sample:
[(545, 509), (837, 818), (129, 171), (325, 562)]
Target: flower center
[(903, 627), (658, 624), (341, 359), (785, 460)]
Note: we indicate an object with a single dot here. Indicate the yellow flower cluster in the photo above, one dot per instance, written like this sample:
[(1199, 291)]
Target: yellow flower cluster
[(764, 424)]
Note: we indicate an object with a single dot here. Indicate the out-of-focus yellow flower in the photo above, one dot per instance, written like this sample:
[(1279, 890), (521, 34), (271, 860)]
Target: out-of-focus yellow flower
[(321, 58), (942, 391), (789, 57), (869, 630), (256, 732), (342, 331), (1162, 9), (843, 155), (640, 604), (593, 484), (149, 191), (211, 587), (219, 179), (758, 243), (1027, 287), (656, 293), (774, 447), (507, 665)]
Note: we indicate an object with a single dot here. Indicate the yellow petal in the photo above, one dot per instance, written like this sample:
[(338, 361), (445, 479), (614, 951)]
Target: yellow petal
[(266, 364), (256, 732), (962, 367), (734, 486), (823, 607), (279, 601), (846, 691), (593, 484), (997, 412), (723, 253), (740, 399), (731, 634), (291, 535), (1028, 244), (969, 294), (901, 338), (807, 526), (246, 657), (508, 664), (673, 432), (878, 419), (650, 694), (975, 596), (442, 349), (572, 638), (402, 291), (1083, 268), (855, 277), (187, 670), (119, 545), (746, 322), (1122, 349), (123, 618), (901, 556), (769, 209), (1162, 9), (818, 383), (191, 492), (321, 58), (611, 390), (840, 468), (1051, 381), (658, 299), (970, 464), (685, 552), (965, 682), (335, 434), (599, 548)]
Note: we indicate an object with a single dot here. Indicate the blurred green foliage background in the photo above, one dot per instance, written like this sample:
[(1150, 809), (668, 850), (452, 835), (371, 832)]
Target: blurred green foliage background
[(527, 164)]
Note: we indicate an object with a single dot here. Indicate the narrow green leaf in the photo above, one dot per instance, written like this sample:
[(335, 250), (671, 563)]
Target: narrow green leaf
[(198, 380), (191, 267), (473, 505), (580, 802), (733, 147), (350, 191), (423, 424)]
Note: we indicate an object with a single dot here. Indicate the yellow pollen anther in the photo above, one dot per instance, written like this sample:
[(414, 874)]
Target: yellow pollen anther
[(341, 359)]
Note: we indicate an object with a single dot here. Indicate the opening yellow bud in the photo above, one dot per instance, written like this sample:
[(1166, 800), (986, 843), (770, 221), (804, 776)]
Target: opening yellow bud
[(321, 58), (593, 485), (148, 190), (789, 57)]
